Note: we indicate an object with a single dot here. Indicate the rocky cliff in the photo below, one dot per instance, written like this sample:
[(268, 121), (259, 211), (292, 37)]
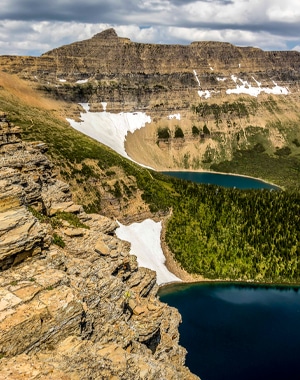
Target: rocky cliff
[(74, 304)]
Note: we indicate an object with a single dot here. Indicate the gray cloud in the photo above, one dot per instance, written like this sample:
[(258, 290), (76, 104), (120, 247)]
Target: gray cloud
[(61, 10)]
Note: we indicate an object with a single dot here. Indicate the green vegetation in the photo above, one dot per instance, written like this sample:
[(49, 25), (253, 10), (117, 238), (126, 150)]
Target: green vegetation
[(195, 131), (163, 133), (58, 240), (284, 170), (296, 142), (236, 234), (285, 151), (178, 132), (239, 109), (56, 220), (206, 131), (72, 219)]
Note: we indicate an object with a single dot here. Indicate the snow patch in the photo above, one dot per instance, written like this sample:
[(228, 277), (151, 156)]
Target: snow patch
[(81, 81), (206, 94), (62, 80), (146, 246), (174, 116), (196, 76), (246, 88), (104, 105), (108, 128), (257, 82)]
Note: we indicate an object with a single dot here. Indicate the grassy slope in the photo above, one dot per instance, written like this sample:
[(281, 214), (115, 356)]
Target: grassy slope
[(81, 161)]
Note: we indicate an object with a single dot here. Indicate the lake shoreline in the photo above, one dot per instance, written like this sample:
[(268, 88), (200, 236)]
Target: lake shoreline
[(221, 173)]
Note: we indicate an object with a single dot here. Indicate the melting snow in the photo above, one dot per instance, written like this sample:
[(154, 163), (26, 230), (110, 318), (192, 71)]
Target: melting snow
[(206, 94), (196, 76), (145, 244), (257, 82), (109, 128), (243, 87), (246, 88), (81, 81), (174, 116)]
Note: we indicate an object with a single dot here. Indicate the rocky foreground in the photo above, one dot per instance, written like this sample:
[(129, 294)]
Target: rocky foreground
[(74, 304)]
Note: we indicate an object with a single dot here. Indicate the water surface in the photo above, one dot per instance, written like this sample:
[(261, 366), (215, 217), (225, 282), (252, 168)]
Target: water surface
[(238, 332), (226, 180)]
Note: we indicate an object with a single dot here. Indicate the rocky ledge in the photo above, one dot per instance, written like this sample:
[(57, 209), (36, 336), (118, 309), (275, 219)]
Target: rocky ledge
[(74, 304)]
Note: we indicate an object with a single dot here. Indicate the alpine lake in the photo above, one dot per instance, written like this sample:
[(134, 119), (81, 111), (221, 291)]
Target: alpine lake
[(237, 331)]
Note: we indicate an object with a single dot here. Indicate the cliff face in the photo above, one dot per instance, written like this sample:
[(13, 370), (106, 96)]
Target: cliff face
[(74, 304)]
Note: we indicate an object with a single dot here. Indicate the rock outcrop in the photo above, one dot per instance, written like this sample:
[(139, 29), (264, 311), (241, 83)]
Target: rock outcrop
[(74, 304)]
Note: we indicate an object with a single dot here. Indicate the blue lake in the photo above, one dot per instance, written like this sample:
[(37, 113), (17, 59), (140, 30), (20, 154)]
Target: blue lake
[(238, 332), (226, 180)]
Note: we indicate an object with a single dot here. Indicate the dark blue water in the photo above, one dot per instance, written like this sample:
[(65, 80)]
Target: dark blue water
[(238, 332), (226, 180)]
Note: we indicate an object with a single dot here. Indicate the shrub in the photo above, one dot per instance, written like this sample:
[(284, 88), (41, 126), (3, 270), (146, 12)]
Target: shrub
[(285, 151), (163, 133), (206, 131), (58, 240), (71, 219), (178, 132), (195, 131)]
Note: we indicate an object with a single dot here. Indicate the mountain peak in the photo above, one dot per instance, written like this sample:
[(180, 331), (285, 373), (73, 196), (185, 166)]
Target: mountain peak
[(107, 34)]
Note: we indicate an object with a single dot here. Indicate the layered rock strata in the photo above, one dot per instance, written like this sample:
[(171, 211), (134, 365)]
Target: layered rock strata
[(153, 77), (80, 308)]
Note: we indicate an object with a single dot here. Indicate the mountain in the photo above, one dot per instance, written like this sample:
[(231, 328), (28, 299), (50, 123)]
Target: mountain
[(66, 280), (223, 100)]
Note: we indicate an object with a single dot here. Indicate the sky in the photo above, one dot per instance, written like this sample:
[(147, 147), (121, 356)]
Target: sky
[(33, 27)]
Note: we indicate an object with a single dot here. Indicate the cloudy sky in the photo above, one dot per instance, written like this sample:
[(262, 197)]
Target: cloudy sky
[(32, 27)]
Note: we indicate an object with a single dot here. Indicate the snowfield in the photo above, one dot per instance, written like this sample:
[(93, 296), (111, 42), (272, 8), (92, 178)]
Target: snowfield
[(146, 246), (108, 128)]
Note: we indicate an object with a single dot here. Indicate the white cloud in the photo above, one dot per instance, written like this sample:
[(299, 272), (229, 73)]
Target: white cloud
[(287, 11)]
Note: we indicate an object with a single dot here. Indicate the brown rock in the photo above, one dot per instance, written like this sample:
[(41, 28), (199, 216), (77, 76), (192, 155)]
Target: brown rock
[(102, 248)]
